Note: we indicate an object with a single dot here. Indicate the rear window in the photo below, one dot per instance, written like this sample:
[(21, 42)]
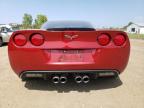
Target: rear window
[(67, 25)]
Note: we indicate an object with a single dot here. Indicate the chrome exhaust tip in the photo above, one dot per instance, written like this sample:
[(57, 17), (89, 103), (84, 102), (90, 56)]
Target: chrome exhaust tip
[(86, 79), (55, 79), (78, 79), (63, 79)]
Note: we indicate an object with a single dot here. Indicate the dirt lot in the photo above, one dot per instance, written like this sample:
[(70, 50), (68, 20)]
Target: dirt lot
[(125, 92)]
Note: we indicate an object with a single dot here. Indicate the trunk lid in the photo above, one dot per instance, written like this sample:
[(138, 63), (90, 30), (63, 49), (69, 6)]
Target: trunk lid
[(70, 39)]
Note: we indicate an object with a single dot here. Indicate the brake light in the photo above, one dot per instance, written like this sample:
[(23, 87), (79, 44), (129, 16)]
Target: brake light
[(37, 39), (119, 40), (103, 39), (20, 40)]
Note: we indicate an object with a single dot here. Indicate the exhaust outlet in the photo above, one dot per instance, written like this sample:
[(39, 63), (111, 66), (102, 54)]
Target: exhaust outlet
[(63, 79), (55, 79), (86, 79), (78, 79)]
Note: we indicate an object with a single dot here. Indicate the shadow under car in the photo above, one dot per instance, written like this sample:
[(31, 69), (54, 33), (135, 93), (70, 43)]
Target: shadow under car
[(94, 84)]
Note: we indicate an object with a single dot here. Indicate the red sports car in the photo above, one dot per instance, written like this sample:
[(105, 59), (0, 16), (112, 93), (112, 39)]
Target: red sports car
[(62, 50)]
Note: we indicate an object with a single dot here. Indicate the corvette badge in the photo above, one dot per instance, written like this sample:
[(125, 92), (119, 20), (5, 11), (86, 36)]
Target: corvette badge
[(71, 37)]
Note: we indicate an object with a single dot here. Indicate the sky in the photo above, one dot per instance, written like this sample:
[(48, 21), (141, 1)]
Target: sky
[(101, 13)]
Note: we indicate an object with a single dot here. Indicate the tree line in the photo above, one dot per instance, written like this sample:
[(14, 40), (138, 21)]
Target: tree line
[(30, 23)]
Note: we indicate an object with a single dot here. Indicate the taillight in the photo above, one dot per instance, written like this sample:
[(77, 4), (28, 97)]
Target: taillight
[(103, 39), (119, 40), (37, 39), (20, 40)]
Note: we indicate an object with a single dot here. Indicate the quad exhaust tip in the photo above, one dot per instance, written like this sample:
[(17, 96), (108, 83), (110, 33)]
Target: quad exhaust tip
[(78, 79), (63, 79), (55, 79), (86, 79)]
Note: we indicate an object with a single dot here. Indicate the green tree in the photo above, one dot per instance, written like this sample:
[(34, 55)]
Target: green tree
[(27, 21), (41, 19)]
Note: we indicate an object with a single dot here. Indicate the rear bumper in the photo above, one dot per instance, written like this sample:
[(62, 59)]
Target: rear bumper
[(22, 60)]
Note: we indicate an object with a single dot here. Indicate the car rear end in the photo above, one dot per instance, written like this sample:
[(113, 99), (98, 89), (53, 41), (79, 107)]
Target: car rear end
[(69, 53)]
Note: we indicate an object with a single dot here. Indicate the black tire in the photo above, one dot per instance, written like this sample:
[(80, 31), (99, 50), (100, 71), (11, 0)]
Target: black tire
[(1, 42)]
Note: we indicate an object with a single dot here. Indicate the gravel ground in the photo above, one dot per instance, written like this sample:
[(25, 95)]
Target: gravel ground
[(124, 92)]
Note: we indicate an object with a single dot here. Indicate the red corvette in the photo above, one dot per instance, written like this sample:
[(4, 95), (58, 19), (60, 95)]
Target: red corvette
[(62, 50)]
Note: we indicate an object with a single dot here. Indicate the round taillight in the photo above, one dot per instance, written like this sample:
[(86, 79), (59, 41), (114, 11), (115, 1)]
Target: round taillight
[(20, 40), (103, 39), (119, 40), (37, 39)]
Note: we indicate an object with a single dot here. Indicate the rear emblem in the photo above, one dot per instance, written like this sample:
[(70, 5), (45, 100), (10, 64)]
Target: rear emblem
[(71, 37)]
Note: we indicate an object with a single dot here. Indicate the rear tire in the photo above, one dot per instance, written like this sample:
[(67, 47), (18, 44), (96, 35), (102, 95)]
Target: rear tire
[(1, 42)]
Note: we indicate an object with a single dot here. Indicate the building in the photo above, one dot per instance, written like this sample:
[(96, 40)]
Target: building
[(137, 28)]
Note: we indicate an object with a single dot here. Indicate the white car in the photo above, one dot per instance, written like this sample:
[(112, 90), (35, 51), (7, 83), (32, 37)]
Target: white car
[(5, 33)]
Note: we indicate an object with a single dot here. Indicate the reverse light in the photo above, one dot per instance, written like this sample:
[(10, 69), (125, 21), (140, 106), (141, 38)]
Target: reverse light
[(34, 75), (103, 39), (119, 40), (106, 74), (20, 40), (37, 39)]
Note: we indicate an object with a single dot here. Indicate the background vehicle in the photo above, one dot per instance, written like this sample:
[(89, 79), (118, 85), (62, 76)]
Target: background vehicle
[(63, 50), (5, 33)]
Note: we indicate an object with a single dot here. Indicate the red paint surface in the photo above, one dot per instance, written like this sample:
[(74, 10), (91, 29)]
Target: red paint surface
[(60, 53)]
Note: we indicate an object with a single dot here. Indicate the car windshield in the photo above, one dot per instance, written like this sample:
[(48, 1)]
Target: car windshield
[(67, 25), (5, 29)]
